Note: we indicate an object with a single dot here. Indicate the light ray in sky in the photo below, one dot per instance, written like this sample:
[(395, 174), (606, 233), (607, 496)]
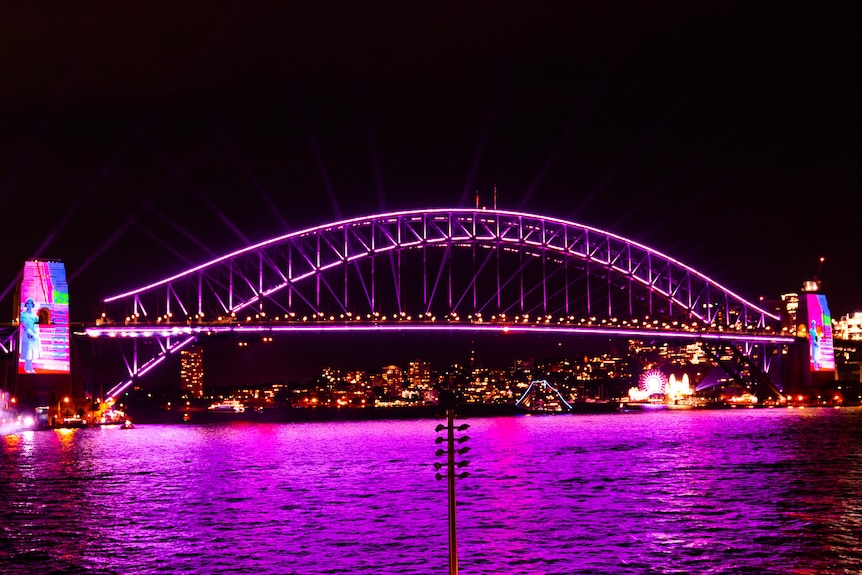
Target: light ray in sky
[(27, 151), (276, 43), (656, 128), (367, 109), (504, 73), (597, 89), (256, 183)]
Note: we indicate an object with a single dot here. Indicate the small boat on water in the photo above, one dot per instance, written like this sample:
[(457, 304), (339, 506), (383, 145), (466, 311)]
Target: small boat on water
[(112, 418), (73, 422), (227, 406)]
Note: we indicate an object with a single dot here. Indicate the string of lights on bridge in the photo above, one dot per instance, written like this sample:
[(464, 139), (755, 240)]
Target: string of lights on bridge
[(167, 325)]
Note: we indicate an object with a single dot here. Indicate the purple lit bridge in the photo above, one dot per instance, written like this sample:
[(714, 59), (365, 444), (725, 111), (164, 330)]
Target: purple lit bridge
[(443, 270)]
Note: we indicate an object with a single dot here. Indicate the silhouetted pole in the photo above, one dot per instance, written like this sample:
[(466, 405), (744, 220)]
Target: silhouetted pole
[(450, 456), (451, 464)]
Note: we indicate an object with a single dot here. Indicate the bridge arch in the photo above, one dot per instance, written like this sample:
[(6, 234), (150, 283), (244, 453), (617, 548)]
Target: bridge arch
[(444, 262), (417, 269)]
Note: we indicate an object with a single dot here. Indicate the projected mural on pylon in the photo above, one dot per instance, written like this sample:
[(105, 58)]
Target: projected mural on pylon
[(43, 318)]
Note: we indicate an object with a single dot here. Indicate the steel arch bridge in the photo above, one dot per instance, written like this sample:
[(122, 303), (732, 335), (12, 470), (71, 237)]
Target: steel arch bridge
[(435, 269)]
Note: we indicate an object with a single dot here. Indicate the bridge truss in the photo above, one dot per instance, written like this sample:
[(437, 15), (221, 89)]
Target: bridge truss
[(448, 269)]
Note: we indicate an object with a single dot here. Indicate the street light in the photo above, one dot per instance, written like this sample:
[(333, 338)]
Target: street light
[(59, 413)]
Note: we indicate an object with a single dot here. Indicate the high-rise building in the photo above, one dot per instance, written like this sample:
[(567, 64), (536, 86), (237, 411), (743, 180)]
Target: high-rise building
[(393, 380), (419, 374), (192, 370), (849, 327), (790, 305)]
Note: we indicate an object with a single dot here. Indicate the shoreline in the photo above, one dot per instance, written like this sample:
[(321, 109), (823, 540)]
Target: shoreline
[(313, 414)]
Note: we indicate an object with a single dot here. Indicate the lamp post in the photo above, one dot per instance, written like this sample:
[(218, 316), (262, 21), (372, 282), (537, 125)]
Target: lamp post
[(450, 475), (60, 413)]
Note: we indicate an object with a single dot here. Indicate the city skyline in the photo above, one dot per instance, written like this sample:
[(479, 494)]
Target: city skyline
[(142, 143), (707, 157)]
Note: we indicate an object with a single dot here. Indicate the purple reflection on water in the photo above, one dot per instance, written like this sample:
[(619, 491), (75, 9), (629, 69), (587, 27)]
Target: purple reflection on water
[(737, 491)]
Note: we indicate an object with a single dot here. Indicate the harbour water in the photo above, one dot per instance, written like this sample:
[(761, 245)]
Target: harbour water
[(732, 491)]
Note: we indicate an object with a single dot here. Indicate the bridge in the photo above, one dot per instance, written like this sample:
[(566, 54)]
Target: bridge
[(450, 270)]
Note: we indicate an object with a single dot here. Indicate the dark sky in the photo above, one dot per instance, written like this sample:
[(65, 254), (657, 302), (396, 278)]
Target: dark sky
[(138, 139)]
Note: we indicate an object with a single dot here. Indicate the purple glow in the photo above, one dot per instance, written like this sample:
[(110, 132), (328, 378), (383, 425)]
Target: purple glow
[(818, 330), (698, 491), (121, 387), (477, 215), (309, 253), (43, 318), (653, 381), (403, 326)]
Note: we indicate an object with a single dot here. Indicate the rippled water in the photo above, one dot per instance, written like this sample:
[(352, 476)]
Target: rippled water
[(736, 491)]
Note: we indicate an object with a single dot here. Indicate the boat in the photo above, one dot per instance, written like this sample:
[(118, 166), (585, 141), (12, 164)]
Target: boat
[(74, 422), (227, 406), (111, 418)]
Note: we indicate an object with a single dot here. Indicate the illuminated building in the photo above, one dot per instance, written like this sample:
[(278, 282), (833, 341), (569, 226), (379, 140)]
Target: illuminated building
[(525, 365), (192, 371), (789, 307), (849, 327), (419, 374), (393, 380)]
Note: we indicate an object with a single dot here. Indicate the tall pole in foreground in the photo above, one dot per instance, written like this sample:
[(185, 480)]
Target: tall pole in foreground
[(451, 466), (450, 456)]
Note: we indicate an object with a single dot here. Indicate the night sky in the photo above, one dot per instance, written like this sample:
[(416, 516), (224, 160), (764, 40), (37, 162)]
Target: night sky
[(137, 140)]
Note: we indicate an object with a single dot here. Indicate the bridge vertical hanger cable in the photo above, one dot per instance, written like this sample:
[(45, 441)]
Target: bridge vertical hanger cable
[(346, 266), (398, 240), (318, 275), (260, 279), (473, 250), (472, 284), (630, 273), (544, 275), (497, 250), (425, 262)]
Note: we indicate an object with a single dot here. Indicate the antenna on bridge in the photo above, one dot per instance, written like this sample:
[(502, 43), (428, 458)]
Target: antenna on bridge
[(477, 199), (495, 197)]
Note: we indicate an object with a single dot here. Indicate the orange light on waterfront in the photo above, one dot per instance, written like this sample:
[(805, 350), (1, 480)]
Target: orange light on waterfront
[(59, 406)]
